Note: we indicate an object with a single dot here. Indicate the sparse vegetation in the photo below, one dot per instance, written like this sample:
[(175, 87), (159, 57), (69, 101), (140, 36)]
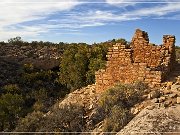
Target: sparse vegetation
[(30, 122), (116, 102), (117, 120), (66, 119)]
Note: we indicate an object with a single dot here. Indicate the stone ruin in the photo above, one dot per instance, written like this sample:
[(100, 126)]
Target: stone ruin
[(138, 61)]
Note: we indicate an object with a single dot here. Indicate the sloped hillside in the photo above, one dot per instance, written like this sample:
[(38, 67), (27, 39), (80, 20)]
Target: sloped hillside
[(162, 115), (75, 113), (84, 110), (43, 57), (157, 111), (35, 75)]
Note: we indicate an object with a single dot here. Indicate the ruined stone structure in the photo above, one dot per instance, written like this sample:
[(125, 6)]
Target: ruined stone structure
[(140, 61)]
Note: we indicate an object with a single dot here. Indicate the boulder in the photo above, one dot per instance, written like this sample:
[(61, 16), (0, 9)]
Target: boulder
[(167, 103), (155, 100), (169, 84), (154, 121), (167, 92), (154, 94), (178, 100), (175, 87), (162, 99), (173, 95)]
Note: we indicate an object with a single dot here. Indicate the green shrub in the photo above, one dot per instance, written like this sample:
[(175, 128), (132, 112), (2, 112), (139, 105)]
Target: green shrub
[(140, 86), (30, 122), (12, 88), (122, 95), (11, 108), (66, 119), (116, 102), (28, 68), (38, 106), (40, 95), (117, 120)]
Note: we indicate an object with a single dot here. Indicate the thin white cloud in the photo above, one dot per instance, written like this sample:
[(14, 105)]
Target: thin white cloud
[(159, 10), (6, 34), (173, 17), (125, 3), (16, 11), (155, 11), (106, 17), (121, 3), (19, 11)]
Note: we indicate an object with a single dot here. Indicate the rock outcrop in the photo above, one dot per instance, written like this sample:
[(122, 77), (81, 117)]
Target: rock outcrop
[(88, 99), (155, 120)]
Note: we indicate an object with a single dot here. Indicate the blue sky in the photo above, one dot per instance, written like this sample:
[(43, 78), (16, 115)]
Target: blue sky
[(88, 20)]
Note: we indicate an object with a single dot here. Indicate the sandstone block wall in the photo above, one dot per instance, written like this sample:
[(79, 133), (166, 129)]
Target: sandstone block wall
[(141, 61)]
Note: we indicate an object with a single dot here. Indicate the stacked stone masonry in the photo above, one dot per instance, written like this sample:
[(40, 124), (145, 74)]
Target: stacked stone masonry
[(140, 61)]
